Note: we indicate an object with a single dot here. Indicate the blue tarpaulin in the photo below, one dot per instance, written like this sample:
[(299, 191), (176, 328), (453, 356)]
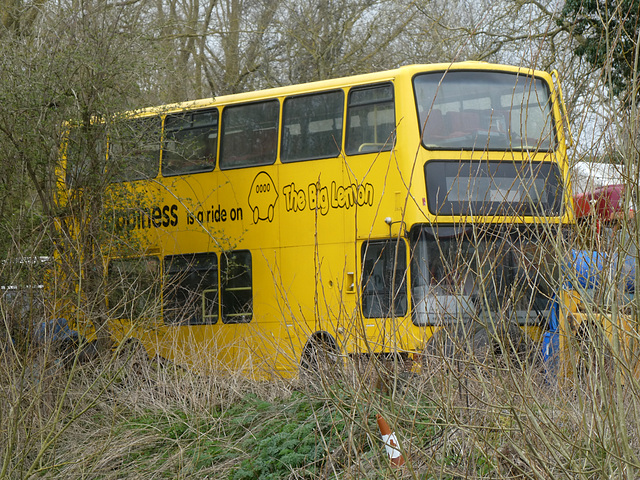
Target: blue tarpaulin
[(583, 272)]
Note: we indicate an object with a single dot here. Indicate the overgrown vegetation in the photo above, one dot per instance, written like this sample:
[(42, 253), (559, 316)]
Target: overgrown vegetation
[(61, 417), (453, 420)]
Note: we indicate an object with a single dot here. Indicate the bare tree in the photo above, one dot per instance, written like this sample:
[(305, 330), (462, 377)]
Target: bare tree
[(212, 47), (217, 47), (65, 65), (329, 38)]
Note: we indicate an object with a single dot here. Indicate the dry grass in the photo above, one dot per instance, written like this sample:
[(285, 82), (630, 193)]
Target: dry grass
[(454, 419)]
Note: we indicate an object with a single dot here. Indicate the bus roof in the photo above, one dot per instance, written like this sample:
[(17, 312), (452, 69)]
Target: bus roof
[(332, 83)]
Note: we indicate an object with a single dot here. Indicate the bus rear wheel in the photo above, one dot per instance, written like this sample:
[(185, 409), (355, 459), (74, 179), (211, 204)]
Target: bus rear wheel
[(320, 357)]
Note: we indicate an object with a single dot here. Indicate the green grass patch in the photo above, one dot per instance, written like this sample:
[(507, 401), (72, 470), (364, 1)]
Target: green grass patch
[(252, 439)]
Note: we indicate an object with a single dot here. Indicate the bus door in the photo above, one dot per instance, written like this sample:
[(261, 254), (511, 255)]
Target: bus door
[(384, 298)]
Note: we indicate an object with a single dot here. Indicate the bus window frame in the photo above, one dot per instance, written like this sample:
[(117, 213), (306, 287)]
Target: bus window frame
[(365, 147), (222, 162), (192, 114), (553, 144), (393, 304), (178, 277), (235, 317), (283, 118), (448, 283)]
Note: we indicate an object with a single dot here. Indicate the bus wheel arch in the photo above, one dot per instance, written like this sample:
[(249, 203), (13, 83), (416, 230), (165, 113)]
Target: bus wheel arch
[(320, 355)]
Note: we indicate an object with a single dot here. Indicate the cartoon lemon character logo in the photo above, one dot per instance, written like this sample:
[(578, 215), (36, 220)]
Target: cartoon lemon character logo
[(262, 197)]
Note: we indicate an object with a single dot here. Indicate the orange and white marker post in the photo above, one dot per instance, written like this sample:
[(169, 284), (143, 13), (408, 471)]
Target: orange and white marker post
[(390, 442)]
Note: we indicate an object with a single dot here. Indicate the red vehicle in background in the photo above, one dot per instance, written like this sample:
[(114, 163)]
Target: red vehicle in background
[(602, 215), (604, 204)]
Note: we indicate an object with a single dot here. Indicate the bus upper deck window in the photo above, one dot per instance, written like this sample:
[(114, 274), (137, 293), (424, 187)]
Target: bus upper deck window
[(370, 119), (484, 110), (312, 126), (249, 135), (134, 149), (190, 142)]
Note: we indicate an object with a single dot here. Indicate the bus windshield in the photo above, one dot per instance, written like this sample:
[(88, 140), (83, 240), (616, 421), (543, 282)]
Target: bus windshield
[(482, 110), (461, 273)]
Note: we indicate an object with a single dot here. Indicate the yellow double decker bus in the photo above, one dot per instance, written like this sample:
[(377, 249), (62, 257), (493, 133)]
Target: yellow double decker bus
[(360, 214)]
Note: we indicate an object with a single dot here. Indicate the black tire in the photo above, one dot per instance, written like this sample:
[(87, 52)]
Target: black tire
[(70, 349)]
